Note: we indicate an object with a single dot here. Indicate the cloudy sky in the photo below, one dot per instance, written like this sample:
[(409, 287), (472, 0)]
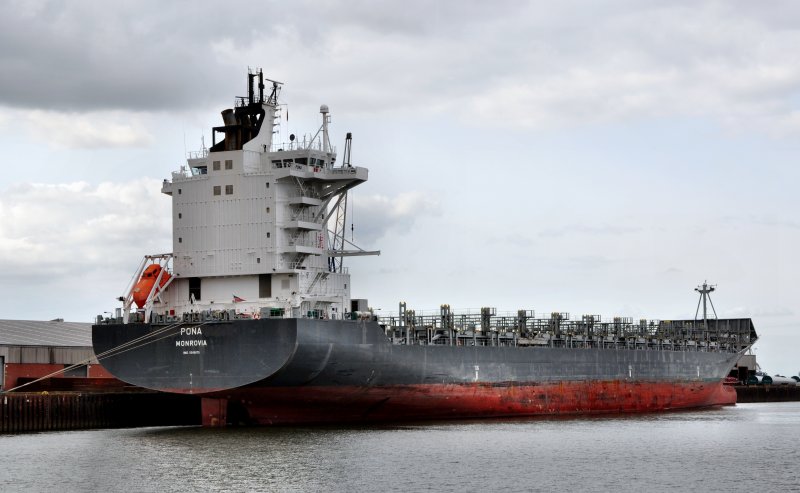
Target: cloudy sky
[(599, 157)]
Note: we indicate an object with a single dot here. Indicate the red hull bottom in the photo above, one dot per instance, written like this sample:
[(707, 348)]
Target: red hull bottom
[(304, 405)]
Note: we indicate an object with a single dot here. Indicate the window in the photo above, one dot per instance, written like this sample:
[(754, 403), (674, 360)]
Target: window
[(194, 288), (267, 234), (216, 165), (217, 189), (228, 164), (180, 215), (265, 285), (267, 184), (228, 189), (267, 210), (180, 240), (258, 260), (179, 191)]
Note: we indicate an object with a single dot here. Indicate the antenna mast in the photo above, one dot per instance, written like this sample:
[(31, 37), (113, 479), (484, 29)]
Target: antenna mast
[(705, 297), (340, 216)]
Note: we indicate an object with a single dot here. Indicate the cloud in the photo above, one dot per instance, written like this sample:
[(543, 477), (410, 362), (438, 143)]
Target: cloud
[(74, 56), (582, 229), (374, 216), (775, 222), (53, 230), (542, 67), (521, 64), (700, 59), (590, 262), (92, 130), (760, 312)]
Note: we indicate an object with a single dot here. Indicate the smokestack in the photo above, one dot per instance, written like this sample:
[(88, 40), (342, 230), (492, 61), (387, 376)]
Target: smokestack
[(228, 118)]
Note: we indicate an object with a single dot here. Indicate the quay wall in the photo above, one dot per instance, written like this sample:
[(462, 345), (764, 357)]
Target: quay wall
[(767, 393), (32, 412)]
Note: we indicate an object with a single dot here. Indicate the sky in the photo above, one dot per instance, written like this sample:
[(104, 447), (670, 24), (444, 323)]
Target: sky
[(589, 157)]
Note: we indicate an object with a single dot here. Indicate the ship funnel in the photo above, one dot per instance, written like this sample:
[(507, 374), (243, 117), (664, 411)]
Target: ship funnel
[(228, 118), (232, 134)]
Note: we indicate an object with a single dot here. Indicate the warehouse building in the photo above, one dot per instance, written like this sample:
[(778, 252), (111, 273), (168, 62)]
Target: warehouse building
[(32, 349)]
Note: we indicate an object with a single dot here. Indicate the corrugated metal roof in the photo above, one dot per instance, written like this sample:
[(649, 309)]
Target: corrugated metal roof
[(41, 333)]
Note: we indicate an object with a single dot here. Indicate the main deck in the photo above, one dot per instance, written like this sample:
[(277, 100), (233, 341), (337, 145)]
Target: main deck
[(524, 328)]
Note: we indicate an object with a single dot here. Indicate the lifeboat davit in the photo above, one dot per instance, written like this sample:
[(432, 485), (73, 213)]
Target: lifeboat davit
[(142, 289)]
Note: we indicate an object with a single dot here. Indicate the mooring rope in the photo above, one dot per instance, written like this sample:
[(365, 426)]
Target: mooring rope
[(115, 351)]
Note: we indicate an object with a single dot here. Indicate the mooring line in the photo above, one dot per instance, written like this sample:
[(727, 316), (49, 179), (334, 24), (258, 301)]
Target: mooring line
[(115, 351)]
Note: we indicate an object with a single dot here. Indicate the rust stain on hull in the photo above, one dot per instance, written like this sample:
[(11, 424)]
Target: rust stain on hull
[(302, 405)]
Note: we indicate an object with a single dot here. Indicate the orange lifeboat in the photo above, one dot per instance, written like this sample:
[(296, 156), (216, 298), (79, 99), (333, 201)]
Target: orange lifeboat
[(142, 289)]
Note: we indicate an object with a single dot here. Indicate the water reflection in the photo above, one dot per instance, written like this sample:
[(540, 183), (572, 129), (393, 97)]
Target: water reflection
[(709, 450)]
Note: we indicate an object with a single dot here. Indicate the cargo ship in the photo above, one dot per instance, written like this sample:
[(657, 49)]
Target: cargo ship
[(252, 310)]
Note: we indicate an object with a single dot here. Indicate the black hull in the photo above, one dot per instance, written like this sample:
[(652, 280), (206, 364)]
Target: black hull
[(301, 352), (291, 371)]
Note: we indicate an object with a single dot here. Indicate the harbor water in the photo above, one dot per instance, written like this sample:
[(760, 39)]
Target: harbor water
[(749, 447)]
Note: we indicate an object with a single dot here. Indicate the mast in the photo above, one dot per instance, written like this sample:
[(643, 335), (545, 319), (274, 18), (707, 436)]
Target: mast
[(705, 291), (326, 143), (337, 242), (339, 214)]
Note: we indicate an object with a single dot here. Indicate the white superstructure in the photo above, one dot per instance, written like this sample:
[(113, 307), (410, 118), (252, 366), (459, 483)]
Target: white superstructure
[(250, 221)]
